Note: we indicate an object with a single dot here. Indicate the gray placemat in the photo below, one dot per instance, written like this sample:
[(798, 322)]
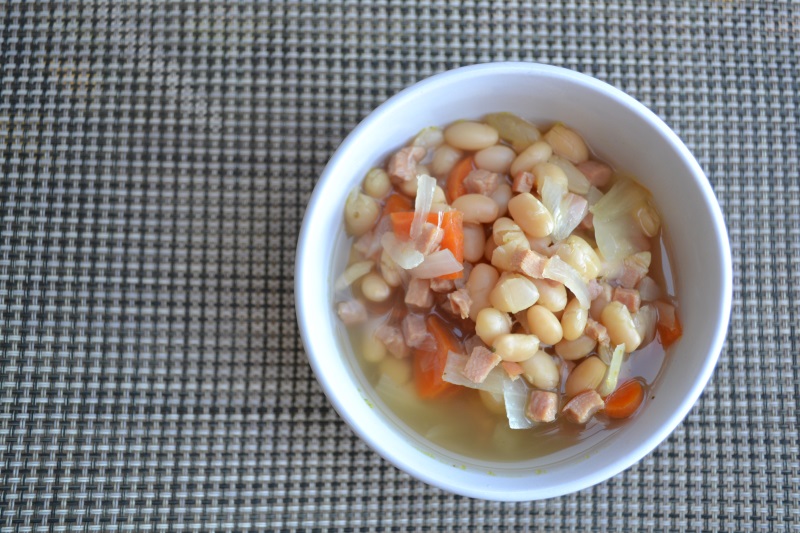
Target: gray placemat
[(155, 161)]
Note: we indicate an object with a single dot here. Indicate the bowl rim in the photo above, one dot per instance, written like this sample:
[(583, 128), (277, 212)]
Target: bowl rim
[(419, 471)]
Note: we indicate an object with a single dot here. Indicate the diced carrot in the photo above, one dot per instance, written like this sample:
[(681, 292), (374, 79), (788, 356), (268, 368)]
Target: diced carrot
[(397, 202), (455, 181), (669, 327), (624, 401), (429, 365), (452, 224)]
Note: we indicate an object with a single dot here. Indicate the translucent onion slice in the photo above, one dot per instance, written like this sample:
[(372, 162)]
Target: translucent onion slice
[(439, 263), (576, 180), (558, 270), (515, 395), (617, 232), (353, 273), (612, 374), (645, 320), (426, 188), (454, 373), (402, 252), (518, 132)]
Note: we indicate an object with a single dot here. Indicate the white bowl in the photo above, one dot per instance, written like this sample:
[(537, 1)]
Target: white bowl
[(620, 130)]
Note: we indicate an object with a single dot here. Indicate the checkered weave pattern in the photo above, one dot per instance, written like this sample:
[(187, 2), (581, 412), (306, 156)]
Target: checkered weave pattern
[(155, 162)]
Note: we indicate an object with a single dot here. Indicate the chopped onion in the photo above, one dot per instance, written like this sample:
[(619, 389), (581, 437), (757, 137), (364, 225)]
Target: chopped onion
[(567, 209), (644, 320), (612, 374), (649, 290), (617, 232), (515, 395), (558, 270), (440, 263), (576, 180), (429, 137), (353, 273), (454, 373), (426, 188), (513, 129), (594, 195), (402, 252)]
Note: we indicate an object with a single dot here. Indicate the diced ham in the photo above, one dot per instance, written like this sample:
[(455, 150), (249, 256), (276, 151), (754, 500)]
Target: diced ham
[(596, 172), (514, 370), (461, 282), (583, 407), (416, 333), (442, 285), (542, 406), (634, 269), (369, 244), (667, 318), (595, 289), (419, 293), (430, 238), (403, 164), (392, 338), (472, 342), (460, 302), (528, 262), (351, 312), (523, 182), (481, 361), (628, 297), (576, 207), (596, 331), (481, 182)]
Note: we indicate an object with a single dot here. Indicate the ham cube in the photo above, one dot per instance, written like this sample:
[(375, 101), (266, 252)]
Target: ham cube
[(514, 370), (542, 406), (481, 182), (442, 285), (480, 363), (583, 407), (596, 331), (351, 312), (460, 302), (634, 269), (403, 164), (416, 333), (528, 262), (596, 172), (628, 297), (523, 182), (392, 338), (419, 294)]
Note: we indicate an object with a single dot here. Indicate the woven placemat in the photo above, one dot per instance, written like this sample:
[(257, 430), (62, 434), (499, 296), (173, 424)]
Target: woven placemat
[(155, 161)]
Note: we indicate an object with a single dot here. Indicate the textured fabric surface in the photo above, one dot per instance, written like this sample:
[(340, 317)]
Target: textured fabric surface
[(155, 161)]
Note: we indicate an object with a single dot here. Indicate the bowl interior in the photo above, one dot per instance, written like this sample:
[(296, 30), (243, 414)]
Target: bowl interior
[(619, 130)]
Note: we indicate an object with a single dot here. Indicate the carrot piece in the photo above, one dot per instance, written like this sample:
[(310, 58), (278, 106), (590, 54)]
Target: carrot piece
[(452, 225), (668, 326), (397, 202), (624, 401), (455, 181), (429, 365)]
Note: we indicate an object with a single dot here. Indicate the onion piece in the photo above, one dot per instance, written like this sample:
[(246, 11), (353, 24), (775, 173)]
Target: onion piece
[(644, 320), (558, 270), (576, 180), (517, 131), (515, 395), (402, 252), (454, 373), (440, 263), (353, 273), (594, 195), (617, 231), (426, 188), (568, 209), (429, 138), (612, 374)]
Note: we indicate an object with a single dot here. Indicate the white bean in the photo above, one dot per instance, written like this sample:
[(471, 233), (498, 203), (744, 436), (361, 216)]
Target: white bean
[(467, 135), (586, 376), (513, 293), (497, 158), (398, 370), (502, 195), (489, 248), (567, 143), (476, 208), (374, 288), (505, 230), (619, 323), (649, 220), (376, 183), (444, 159), (577, 349), (538, 152), (474, 241), (577, 253), (542, 171), (372, 350), (541, 371), (409, 187), (573, 321), (552, 294), (544, 324), (491, 323), (531, 215), (516, 347), (481, 281), (360, 213)]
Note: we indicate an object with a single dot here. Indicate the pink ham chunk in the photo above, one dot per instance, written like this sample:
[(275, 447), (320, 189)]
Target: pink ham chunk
[(596, 331), (403, 164), (528, 262), (542, 406), (392, 338), (583, 407), (419, 294), (416, 333), (460, 302), (634, 269), (596, 172), (442, 285), (523, 182), (351, 312), (595, 289), (481, 182), (514, 370), (480, 363), (429, 239), (628, 297)]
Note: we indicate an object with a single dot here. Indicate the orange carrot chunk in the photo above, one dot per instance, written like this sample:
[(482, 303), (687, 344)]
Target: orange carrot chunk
[(455, 181), (624, 401), (397, 202), (429, 365)]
